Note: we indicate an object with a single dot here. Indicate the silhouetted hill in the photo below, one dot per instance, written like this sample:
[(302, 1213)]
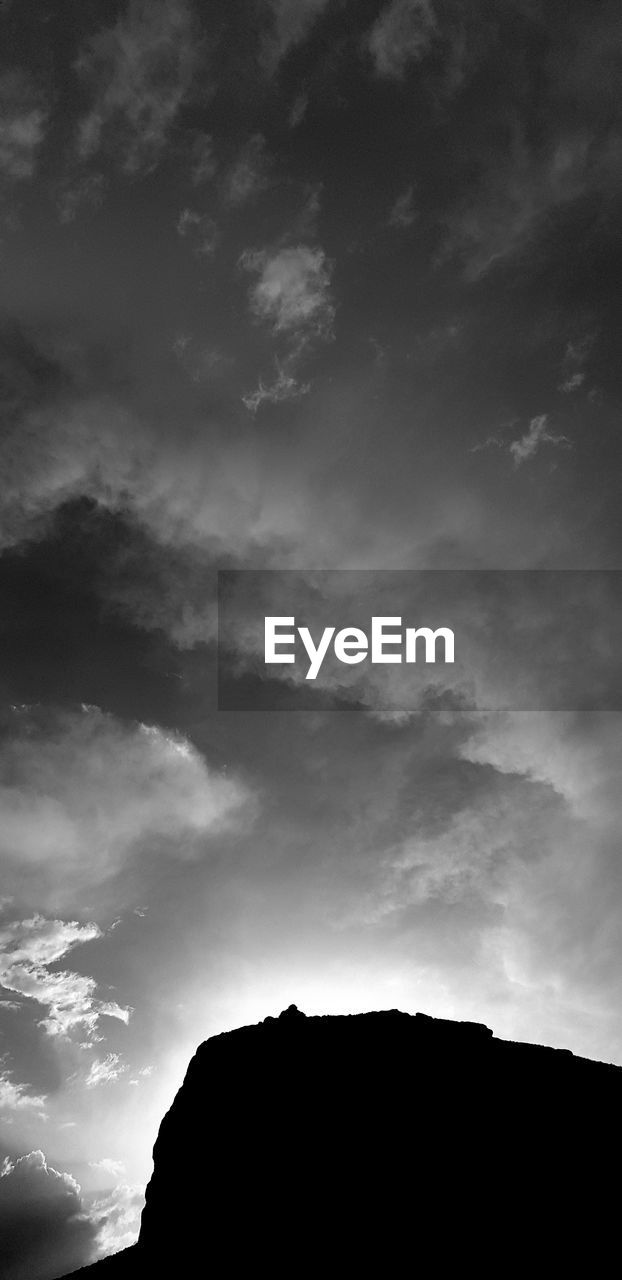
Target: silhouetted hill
[(359, 1145)]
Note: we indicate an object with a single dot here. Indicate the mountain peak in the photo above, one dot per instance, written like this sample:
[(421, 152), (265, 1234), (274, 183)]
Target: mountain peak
[(333, 1150)]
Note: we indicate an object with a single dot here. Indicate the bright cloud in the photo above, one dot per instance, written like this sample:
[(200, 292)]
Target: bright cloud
[(15, 1097), (27, 950), (292, 293), (80, 792), (105, 1070)]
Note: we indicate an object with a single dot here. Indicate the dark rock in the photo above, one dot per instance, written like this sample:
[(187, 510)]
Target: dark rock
[(350, 1146)]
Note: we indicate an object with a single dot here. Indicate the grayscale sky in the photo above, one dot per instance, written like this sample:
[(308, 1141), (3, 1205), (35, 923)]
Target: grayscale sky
[(288, 284)]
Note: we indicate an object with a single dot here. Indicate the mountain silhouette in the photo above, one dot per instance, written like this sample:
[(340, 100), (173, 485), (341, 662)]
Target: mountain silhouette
[(379, 1143)]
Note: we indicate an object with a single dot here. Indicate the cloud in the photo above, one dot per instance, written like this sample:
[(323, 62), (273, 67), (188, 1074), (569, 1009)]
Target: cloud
[(27, 950), (293, 296), (115, 1168), (509, 205), (140, 71), (105, 1070), (187, 496), (293, 292), (285, 387), (576, 356), (403, 213), (204, 163), (81, 792), (291, 23), (116, 1216), (527, 445), (15, 1097), (403, 33), (534, 438), (23, 121), (200, 230), (248, 175), (45, 1229), (565, 907)]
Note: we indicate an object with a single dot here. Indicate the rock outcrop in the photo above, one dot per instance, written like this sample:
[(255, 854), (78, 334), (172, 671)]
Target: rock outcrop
[(366, 1144)]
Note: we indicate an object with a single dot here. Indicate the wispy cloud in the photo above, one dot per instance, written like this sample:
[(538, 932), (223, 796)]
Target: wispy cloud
[(28, 949), (576, 356), (116, 1216), (526, 446), (504, 211), (81, 792), (293, 291), (284, 387), (23, 123), (403, 213), (290, 23), (84, 193), (204, 163), (15, 1096), (115, 1168), (140, 71), (402, 33), (105, 1070), (535, 437), (249, 173), (293, 296), (200, 230)]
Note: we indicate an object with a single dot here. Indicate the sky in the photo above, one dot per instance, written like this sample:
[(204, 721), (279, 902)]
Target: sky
[(305, 285)]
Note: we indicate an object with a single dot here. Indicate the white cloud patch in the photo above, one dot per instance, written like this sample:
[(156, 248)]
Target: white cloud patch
[(293, 296), (15, 1096), (116, 1216), (293, 291), (249, 173), (537, 435), (114, 1168), (403, 33), (80, 792), (27, 950), (23, 122), (140, 71), (105, 1070)]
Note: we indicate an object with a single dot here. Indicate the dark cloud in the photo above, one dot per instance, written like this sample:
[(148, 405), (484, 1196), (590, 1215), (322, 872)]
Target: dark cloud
[(44, 1228)]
